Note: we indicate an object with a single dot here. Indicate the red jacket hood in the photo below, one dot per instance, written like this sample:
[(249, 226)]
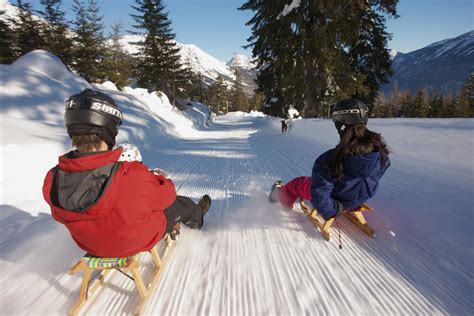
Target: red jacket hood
[(89, 162)]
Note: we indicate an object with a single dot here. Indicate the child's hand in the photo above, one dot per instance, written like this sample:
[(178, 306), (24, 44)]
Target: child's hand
[(159, 172)]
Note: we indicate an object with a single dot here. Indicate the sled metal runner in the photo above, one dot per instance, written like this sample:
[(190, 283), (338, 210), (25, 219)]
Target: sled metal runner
[(90, 284), (355, 216)]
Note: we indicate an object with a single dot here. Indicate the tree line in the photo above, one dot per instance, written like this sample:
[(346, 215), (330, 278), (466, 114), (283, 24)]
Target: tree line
[(424, 104)]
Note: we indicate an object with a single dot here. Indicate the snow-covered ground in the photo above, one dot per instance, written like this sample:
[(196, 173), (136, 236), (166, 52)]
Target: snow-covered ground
[(251, 257)]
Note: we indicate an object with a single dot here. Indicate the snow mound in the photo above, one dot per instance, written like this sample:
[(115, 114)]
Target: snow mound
[(107, 85), (44, 63), (200, 114)]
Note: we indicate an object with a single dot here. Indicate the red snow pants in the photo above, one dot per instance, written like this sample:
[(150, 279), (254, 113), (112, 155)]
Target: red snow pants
[(296, 188)]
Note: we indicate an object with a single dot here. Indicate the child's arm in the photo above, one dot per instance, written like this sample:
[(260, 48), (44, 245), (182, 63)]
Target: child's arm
[(321, 190)]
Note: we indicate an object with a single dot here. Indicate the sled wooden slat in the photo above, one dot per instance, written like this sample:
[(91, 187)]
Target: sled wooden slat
[(355, 216), (87, 289)]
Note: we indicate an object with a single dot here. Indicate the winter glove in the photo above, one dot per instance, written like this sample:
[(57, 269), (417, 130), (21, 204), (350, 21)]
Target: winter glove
[(339, 210), (159, 172)]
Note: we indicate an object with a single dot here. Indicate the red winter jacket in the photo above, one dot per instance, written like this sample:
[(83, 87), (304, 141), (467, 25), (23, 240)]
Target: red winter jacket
[(111, 208)]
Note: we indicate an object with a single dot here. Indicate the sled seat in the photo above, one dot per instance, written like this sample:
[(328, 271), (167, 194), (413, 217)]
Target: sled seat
[(355, 216), (128, 266)]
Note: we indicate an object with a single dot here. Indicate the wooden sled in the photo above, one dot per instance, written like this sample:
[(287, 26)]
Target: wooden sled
[(355, 216), (103, 266)]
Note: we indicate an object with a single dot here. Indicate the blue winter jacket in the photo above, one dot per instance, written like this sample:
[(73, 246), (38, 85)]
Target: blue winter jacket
[(359, 183)]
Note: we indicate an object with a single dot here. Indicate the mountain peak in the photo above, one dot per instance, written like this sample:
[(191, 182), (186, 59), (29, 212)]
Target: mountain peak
[(241, 61)]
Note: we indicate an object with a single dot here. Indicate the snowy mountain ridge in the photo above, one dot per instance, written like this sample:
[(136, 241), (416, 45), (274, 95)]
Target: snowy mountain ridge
[(203, 63), (442, 66)]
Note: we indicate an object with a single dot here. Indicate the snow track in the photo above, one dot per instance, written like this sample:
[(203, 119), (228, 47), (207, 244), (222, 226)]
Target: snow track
[(257, 258)]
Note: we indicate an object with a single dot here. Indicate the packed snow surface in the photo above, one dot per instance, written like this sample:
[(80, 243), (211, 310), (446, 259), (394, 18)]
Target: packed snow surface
[(251, 257)]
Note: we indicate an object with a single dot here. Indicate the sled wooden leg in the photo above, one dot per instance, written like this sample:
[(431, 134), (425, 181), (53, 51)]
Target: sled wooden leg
[(84, 286), (357, 218), (137, 278), (159, 264), (318, 222)]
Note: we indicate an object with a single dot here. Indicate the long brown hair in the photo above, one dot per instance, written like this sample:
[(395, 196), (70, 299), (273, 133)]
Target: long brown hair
[(357, 140)]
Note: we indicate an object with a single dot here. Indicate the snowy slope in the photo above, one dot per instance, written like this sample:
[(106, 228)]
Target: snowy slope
[(251, 258), (202, 63)]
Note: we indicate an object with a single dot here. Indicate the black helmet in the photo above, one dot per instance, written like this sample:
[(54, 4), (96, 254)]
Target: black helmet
[(93, 112), (349, 112)]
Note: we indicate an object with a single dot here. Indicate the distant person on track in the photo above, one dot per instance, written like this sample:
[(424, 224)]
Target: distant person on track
[(345, 177), (110, 202), (284, 126)]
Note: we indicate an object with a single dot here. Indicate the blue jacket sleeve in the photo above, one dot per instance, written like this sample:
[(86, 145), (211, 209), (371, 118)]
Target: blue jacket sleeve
[(383, 168), (322, 185)]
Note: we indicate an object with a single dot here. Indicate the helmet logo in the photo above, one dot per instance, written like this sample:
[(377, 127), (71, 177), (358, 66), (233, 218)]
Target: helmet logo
[(351, 111), (103, 107), (70, 104)]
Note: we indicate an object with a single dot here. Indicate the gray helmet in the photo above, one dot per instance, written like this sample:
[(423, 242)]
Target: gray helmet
[(93, 112), (349, 112)]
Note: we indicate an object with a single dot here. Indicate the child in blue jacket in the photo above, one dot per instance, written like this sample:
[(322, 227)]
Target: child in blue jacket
[(345, 177)]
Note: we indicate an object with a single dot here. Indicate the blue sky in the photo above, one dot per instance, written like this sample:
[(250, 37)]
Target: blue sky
[(219, 28)]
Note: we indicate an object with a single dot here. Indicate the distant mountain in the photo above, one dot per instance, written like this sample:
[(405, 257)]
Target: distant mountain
[(246, 66), (206, 65), (442, 66)]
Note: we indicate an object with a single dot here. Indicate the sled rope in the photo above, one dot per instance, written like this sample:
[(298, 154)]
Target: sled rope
[(339, 232)]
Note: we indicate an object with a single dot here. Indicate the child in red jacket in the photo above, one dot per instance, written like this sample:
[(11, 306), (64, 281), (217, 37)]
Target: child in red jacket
[(113, 207), (345, 177)]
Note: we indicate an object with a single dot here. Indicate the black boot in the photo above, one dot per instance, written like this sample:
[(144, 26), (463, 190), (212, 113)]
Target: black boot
[(175, 232), (274, 191), (205, 203)]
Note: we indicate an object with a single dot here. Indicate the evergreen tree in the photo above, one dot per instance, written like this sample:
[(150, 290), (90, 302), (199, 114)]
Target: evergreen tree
[(320, 51), (407, 108), (466, 98), (378, 110), (55, 31), (217, 96), (159, 66), (239, 101), (27, 29), (118, 64), (420, 106), (256, 103), (89, 49), (7, 41), (435, 105)]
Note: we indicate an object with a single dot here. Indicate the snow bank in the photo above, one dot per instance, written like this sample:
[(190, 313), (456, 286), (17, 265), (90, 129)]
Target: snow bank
[(107, 85), (44, 63)]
